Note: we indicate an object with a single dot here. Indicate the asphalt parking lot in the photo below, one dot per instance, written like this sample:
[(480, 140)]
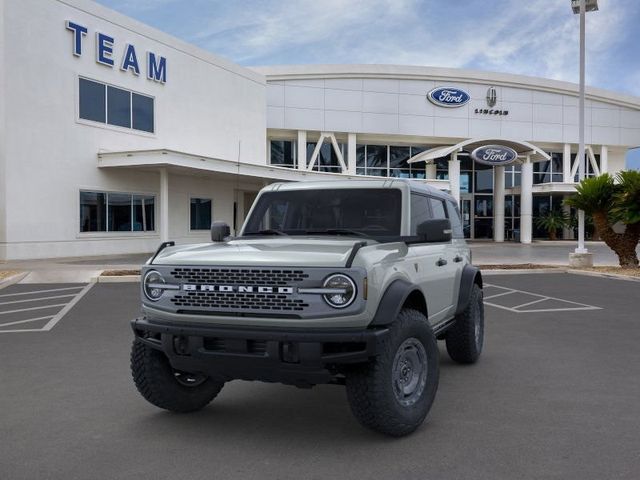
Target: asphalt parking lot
[(555, 395)]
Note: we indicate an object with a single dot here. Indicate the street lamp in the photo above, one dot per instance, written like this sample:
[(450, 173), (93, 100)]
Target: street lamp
[(580, 7)]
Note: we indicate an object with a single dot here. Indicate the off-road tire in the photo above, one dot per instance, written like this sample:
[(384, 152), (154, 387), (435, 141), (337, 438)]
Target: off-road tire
[(370, 387), (156, 382), (465, 338)]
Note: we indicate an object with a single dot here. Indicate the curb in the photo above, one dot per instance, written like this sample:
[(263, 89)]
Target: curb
[(613, 276), (116, 279), (522, 271), (12, 279)]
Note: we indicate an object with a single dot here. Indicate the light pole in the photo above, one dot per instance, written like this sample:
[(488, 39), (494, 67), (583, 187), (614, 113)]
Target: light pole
[(580, 7)]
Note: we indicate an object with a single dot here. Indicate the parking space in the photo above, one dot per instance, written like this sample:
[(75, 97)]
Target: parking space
[(37, 307), (555, 395), (519, 301)]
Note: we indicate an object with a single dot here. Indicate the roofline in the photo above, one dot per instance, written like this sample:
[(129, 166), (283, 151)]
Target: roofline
[(413, 72)]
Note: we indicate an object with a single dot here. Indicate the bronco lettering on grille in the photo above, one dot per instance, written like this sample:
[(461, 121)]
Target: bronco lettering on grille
[(236, 289)]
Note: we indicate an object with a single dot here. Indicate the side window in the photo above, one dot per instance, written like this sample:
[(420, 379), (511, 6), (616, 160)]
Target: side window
[(420, 211), (456, 224), (438, 209)]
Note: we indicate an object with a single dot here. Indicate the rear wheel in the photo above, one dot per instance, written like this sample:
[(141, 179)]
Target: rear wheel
[(394, 393), (167, 388), (466, 337)]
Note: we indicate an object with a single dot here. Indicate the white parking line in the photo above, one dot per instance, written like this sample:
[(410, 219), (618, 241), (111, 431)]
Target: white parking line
[(38, 299), (53, 319), (540, 298), (41, 291)]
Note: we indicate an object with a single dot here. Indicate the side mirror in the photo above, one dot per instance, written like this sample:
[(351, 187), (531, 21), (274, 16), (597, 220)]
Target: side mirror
[(435, 230), (219, 231)]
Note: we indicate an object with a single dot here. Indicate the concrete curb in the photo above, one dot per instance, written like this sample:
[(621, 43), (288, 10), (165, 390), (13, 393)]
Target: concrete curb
[(12, 279), (117, 279), (614, 276), (572, 271)]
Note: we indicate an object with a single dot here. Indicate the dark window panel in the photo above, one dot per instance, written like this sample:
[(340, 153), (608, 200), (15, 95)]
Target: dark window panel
[(119, 212), (420, 211), (92, 101), (360, 156), (142, 113), (144, 213), (201, 213), (377, 156), (118, 107), (93, 212)]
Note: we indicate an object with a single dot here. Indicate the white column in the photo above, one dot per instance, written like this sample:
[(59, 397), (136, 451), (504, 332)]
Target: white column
[(302, 150), (498, 204), (566, 164), (454, 176), (431, 171), (604, 159), (351, 153), (526, 202), (567, 231), (164, 205)]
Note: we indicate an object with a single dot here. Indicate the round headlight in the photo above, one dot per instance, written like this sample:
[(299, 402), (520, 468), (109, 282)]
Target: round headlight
[(152, 285), (344, 291)]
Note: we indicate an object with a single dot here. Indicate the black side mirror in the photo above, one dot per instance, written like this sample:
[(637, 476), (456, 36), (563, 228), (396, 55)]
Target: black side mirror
[(434, 230), (219, 231)]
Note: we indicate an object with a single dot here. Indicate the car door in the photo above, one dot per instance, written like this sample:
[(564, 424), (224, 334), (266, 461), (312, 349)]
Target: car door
[(431, 263)]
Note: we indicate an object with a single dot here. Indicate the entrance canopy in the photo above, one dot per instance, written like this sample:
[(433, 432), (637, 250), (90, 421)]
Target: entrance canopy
[(522, 148)]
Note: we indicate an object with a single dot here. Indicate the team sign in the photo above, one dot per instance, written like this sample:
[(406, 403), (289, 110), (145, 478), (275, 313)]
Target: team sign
[(156, 65)]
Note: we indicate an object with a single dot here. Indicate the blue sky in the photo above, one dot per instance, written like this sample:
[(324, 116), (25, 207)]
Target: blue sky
[(530, 37)]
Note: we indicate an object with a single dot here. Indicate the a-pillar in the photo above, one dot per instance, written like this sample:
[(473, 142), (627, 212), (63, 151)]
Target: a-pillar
[(526, 202), (498, 204), (454, 177), (164, 205)]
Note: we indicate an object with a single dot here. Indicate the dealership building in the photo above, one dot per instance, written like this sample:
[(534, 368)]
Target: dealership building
[(115, 136)]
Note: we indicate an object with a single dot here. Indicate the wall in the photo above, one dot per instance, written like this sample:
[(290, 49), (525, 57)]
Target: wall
[(207, 106)]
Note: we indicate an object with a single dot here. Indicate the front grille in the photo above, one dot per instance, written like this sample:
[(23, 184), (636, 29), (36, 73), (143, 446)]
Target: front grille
[(237, 276), (238, 301), (252, 347)]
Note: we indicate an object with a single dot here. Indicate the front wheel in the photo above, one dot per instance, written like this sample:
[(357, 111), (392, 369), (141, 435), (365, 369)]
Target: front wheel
[(166, 387), (394, 393)]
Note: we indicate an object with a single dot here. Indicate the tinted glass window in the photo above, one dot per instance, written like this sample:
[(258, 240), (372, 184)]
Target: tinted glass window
[(143, 213), (142, 112), (200, 214), (92, 101), (420, 211), (118, 107), (371, 212), (119, 212), (283, 153), (93, 212), (454, 217), (438, 208)]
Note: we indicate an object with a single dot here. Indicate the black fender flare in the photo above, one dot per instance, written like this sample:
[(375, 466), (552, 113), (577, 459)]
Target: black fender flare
[(392, 301), (470, 276)]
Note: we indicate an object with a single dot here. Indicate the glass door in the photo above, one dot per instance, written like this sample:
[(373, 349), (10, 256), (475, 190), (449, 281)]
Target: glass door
[(467, 215)]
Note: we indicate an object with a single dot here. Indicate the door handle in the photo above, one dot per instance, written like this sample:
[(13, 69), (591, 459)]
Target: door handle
[(441, 262), (457, 259)]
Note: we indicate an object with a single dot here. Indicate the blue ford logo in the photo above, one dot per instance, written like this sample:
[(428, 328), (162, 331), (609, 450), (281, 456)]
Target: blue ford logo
[(494, 155), (448, 96)]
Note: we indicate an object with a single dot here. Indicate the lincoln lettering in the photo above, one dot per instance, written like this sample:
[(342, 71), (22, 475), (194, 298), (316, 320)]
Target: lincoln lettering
[(237, 289), (129, 60)]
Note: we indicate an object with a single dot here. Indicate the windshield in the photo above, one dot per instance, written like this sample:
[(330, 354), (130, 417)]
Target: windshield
[(371, 212)]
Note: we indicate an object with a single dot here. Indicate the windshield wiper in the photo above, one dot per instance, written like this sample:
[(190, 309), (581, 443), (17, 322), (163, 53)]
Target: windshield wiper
[(338, 231), (268, 231)]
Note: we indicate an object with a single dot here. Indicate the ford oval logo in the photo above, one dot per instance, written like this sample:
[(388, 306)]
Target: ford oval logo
[(448, 97), (494, 155)]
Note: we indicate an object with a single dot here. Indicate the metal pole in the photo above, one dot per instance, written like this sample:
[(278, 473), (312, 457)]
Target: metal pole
[(581, 159)]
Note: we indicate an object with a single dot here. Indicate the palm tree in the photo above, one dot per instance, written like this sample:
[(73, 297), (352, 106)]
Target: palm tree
[(610, 202), (552, 221)]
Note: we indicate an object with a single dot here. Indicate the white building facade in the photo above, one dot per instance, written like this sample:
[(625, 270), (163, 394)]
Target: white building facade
[(115, 136)]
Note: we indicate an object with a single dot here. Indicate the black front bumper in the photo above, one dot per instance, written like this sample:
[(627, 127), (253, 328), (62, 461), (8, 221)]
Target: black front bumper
[(297, 357)]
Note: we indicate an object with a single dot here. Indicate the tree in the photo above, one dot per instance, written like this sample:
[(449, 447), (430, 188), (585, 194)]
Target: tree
[(552, 221), (610, 202)]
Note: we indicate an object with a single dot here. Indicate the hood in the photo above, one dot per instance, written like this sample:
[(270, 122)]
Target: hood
[(324, 251)]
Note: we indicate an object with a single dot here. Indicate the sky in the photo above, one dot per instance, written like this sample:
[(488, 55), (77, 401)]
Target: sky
[(529, 37)]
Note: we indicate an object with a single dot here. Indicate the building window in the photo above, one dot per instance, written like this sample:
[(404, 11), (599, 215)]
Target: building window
[(389, 161), (283, 153), (589, 170), (549, 171), (116, 212), (201, 213), (327, 160), (111, 105)]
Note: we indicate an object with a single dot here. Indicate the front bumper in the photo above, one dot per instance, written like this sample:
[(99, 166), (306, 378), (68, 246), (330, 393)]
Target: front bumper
[(292, 356)]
